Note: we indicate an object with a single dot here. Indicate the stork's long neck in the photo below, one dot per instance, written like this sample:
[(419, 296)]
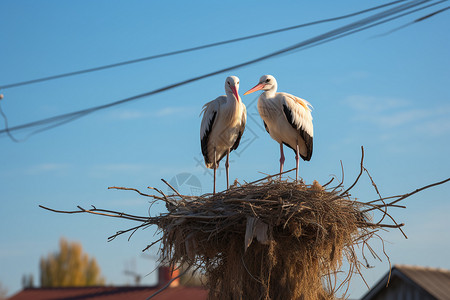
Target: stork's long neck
[(233, 105), (232, 99), (271, 92)]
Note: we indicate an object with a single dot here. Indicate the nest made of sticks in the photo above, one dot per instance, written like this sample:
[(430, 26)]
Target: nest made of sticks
[(269, 239)]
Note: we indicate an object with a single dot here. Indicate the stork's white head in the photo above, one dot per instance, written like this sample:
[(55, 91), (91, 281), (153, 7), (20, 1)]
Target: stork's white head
[(266, 83), (232, 86)]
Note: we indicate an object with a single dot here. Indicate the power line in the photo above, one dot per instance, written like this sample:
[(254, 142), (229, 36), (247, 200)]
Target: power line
[(351, 28), (432, 14), (380, 22), (416, 20), (6, 122), (79, 72)]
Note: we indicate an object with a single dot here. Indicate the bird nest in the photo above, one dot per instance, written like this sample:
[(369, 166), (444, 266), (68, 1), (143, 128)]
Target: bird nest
[(269, 239)]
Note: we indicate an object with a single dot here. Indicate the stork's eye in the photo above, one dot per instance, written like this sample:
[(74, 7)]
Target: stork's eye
[(228, 82), (237, 82), (267, 80)]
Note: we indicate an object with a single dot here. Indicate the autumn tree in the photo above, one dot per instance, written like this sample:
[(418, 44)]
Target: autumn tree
[(69, 267)]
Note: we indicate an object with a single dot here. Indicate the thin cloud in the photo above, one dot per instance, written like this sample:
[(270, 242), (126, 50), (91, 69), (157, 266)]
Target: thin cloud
[(168, 111), (129, 114), (114, 170), (395, 113), (435, 127), (350, 77), (371, 104), (119, 168), (47, 167)]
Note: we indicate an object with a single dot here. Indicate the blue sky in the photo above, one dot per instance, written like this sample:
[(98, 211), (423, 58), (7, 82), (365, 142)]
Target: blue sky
[(388, 93)]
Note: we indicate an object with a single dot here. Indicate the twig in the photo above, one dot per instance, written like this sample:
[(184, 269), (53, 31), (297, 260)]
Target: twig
[(376, 225), (173, 189), (332, 178), (359, 175), (270, 176), (168, 284), (97, 211), (112, 237), (130, 189), (418, 190), (152, 244)]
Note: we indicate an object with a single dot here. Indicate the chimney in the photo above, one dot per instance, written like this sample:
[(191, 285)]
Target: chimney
[(165, 274)]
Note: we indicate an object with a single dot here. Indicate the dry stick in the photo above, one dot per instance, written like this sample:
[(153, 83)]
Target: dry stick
[(404, 196), (381, 198), (372, 251), (152, 244), (119, 214), (332, 178), (95, 211), (374, 185), (348, 277), (270, 176), (356, 266), (173, 189), (342, 181), (384, 198), (61, 211), (129, 189), (400, 197), (168, 284), (82, 210), (376, 206), (418, 190), (359, 175), (112, 237), (159, 191), (387, 256), (383, 225), (393, 220), (390, 205), (166, 199)]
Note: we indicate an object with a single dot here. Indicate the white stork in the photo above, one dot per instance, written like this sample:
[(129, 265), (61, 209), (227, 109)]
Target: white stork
[(222, 126), (287, 119)]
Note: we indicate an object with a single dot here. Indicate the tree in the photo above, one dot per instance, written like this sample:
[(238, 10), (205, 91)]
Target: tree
[(69, 267)]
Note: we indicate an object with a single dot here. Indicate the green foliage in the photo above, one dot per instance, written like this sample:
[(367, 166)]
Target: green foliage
[(69, 267)]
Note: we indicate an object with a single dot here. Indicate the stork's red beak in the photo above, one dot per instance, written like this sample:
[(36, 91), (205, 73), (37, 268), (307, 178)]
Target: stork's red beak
[(257, 87), (233, 88)]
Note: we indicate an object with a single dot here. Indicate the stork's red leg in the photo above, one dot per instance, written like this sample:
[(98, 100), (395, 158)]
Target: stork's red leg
[(227, 164), (215, 167), (297, 158), (281, 159)]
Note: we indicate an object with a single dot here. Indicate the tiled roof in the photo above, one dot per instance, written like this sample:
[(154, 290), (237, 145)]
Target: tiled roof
[(434, 281), (110, 293)]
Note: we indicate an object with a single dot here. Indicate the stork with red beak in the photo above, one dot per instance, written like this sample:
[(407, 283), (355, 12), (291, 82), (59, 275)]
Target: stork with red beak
[(223, 124), (287, 119)]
